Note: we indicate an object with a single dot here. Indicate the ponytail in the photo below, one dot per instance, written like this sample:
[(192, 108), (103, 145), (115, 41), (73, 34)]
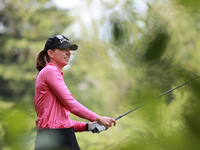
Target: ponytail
[(41, 60)]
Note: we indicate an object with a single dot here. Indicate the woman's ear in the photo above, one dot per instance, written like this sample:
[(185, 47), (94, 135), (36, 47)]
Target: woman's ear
[(50, 53)]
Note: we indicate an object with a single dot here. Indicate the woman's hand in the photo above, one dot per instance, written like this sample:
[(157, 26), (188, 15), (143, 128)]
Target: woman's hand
[(106, 121)]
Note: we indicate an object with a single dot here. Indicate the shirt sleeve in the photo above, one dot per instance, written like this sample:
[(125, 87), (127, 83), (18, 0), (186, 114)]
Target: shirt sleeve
[(79, 126), (56, 83)]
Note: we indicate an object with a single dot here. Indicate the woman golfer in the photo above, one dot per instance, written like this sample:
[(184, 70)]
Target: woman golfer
[(54, 102)]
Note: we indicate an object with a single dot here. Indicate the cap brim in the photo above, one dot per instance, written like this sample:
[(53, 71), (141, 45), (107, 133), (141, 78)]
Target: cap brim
[(71, 46)]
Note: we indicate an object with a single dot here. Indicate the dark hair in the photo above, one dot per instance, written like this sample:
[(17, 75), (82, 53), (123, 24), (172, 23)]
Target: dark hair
[(41, 60)]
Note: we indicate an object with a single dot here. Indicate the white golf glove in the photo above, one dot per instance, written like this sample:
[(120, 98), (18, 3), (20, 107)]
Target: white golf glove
[(95, 127)]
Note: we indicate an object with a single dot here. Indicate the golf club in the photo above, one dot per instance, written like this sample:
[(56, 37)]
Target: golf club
[(95, 130)]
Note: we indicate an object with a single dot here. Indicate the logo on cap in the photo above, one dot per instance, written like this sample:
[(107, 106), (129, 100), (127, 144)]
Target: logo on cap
[(62, 40)]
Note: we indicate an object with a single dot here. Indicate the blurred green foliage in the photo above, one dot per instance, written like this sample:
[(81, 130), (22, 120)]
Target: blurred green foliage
[(141, 56)]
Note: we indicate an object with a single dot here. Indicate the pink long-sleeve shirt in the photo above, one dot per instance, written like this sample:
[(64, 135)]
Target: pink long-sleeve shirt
[(54, 102)]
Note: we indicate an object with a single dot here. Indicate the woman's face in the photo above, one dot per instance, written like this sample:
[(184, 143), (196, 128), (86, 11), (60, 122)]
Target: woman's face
[(60, 57)]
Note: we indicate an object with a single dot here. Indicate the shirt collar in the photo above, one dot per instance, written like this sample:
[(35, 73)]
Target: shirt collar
[(52, 64)]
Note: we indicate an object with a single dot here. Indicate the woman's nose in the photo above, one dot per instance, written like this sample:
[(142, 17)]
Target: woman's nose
[(68, 52)]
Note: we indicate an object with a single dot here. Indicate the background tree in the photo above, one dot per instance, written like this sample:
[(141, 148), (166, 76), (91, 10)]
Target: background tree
[(152, 53), (125, 59)]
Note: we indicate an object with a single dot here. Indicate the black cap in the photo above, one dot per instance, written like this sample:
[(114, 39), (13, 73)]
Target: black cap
[(60, 42)]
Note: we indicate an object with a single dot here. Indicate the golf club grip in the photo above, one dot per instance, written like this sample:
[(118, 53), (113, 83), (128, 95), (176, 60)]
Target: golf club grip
[(117, 118)]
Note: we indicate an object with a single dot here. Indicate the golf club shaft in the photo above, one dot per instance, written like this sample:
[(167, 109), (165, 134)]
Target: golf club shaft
[(178, 86)]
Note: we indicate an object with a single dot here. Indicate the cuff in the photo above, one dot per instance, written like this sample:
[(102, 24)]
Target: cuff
[(87, 125)]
